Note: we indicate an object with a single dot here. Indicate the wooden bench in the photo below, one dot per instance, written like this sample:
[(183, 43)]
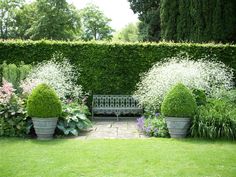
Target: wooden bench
[(115, 105)]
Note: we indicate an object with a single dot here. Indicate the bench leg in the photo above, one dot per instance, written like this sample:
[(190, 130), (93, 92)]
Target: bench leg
[(117, 117)]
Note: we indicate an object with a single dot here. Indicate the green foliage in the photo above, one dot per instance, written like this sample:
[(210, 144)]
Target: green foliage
[(43, 102), (200, 97), (15, 74), (25, 18), (179, 102), (128, 34), (74, 119), (54, 20), (111, 68), (149, 14), (95, 24), (168, 14), (8, 11), (155, 126), (198, 21), (217, 119), (13, 118)]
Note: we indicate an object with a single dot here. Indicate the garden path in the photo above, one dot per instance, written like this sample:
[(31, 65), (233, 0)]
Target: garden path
[(123, 129)]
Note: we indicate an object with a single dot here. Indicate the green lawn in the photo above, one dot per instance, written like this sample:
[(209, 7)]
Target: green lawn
[(101, 158)]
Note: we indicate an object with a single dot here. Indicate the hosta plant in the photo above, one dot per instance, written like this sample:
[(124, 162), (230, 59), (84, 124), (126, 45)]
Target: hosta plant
[(74, 119), (202, 74)]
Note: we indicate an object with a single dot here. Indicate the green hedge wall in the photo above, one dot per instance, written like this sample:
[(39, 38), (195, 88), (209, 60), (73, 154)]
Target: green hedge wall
[(111, 68)]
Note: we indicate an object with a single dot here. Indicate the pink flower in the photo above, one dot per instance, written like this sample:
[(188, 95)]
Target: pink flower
[(6, 92), (7, 87)]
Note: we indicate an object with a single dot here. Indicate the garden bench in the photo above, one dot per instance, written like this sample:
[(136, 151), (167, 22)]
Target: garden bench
[(115, 105)]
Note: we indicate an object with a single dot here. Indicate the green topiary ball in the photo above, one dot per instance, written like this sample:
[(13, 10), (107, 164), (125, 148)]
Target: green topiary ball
[(179, 102), (43, 102)]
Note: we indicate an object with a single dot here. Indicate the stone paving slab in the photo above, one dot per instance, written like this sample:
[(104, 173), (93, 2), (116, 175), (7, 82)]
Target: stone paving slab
[(123, 129)]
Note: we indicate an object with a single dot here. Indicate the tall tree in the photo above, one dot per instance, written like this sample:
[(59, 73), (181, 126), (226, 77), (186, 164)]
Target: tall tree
[(169, 16), (149, 14), (95, 24), (128, 34), (184, 21), (25, 17), (8, 10), (198, 20), (55, 20)]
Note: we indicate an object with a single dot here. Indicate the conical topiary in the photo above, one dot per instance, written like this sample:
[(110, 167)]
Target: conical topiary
[(179, 102), (43, 102)]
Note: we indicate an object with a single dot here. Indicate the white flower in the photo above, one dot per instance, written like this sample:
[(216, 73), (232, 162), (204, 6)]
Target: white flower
[(210, 76), (59, 75)]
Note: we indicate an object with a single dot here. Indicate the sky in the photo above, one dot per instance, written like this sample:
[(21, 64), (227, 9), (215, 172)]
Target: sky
[(117, 10)]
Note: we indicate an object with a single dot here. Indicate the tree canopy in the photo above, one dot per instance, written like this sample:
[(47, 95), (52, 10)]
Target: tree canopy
[(95, 25), (149, 14), (186, 20), (8, 10), (52, 19)]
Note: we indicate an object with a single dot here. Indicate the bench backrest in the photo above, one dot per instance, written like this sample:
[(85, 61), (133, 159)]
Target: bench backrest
[(115, 101)]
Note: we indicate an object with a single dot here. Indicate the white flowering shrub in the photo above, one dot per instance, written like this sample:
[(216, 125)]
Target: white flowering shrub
[(203, 74), (59, 75)]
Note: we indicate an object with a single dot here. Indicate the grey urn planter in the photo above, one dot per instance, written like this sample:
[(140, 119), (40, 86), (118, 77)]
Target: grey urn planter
[(44, 127), (178, 126)]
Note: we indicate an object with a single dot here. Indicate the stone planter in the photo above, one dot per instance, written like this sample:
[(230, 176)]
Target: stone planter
[(177, 126), (44, 127)]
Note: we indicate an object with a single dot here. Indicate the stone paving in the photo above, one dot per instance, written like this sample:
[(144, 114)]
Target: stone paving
[(123, 129)]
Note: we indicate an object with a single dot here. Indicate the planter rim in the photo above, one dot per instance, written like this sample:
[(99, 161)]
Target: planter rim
[(42, 118), (178, 118)]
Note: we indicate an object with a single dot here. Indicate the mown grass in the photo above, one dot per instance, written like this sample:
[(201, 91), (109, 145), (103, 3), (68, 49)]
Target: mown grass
[(101, 158)]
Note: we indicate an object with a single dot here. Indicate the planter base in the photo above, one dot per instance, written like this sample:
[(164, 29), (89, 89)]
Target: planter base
[(177, 127), (44, 127)]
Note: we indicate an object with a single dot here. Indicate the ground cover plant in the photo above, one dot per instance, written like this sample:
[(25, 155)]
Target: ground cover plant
[(153, 125), (125, 158)]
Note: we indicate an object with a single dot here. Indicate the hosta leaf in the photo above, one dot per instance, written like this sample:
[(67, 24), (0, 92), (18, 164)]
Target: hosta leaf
[(74, 118), (74, 132), (82, 116)]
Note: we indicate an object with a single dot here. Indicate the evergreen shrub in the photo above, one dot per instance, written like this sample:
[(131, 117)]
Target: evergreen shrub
[(44, 103), (179, 102)]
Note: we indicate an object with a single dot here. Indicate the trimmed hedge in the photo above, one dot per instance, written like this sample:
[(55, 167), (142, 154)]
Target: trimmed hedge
[(111, 68)]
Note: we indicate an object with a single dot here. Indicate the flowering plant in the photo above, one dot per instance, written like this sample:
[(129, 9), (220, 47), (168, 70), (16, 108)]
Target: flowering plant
[(210, 76), (6, 92), (59, 75), (153, 125), (13, 118)]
